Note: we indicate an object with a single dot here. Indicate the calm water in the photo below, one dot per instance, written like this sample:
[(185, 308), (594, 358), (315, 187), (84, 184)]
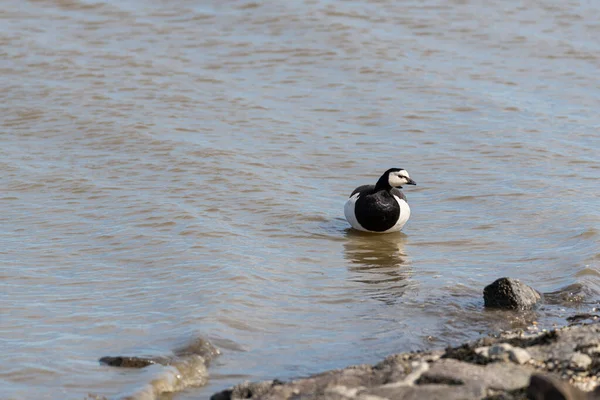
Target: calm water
[(175, 169)]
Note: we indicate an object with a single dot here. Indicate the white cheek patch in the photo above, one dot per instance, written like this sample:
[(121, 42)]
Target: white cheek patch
[(398, 180), (403, 173)]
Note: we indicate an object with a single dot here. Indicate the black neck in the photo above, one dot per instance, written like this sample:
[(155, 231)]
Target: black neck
[(383, 184)]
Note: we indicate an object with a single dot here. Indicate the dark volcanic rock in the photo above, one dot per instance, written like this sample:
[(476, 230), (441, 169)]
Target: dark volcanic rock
[(512, 294), (132, 362)]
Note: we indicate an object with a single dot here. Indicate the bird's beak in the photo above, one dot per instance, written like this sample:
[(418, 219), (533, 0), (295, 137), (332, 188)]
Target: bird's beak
[(411, 182)]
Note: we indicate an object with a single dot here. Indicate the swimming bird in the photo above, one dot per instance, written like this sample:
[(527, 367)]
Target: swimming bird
[(380, 208)]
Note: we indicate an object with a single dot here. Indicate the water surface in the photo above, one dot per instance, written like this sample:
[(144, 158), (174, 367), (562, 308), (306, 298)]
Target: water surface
[(178, 169)]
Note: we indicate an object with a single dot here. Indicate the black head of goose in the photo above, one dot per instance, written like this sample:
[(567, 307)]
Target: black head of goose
[(380, 208)]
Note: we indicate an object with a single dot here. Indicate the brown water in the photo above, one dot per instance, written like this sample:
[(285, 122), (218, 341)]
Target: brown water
[(175, 169)]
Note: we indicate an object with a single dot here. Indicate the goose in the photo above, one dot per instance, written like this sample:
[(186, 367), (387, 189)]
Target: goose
[(380, 208)]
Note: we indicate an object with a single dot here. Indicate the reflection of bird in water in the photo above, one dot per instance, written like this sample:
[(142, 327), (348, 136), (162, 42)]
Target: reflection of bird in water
[(380, 262)]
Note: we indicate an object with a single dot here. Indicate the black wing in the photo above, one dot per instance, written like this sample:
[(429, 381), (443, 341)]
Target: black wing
[(364, 189)]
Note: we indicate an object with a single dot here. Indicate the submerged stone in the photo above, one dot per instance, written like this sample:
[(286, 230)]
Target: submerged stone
[(575, 293), (130, 362), (197, 347)]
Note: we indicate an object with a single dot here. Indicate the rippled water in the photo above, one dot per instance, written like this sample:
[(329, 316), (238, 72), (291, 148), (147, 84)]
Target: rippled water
[(178, 169)]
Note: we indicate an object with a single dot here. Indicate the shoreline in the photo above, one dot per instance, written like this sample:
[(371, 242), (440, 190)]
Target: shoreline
[(557, 364), (562, 363)]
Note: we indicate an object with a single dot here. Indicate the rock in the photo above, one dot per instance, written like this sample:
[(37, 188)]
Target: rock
[(508, 293), (547, 387), (518, 355), (246, 390), (557, 347), (506, 351), (483, 351), (462, 372), (132, 362), (499, 350), (200, 347), (429, 392), (592, 350), (495, 376), (569, 295), (187, 366), (197, 347), (580, 361), (582, 317)]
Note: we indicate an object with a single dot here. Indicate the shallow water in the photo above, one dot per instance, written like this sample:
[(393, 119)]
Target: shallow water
[(178, 169)]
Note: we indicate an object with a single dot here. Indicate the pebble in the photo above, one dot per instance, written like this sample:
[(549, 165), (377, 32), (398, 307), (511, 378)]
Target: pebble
[(502, 350), (499, 349), (519, 355), (483, 351), (581, 361), (593, 350)]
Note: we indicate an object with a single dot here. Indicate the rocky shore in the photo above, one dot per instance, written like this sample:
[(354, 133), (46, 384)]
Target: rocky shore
[(561, 364), (187, 366)]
